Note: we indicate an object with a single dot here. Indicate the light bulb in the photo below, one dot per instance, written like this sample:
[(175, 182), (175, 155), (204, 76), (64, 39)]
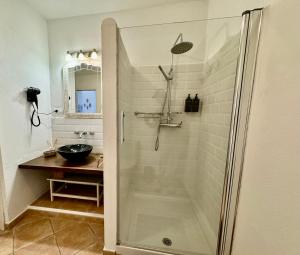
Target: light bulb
[(94, 54), (68, 56), (81, 55)]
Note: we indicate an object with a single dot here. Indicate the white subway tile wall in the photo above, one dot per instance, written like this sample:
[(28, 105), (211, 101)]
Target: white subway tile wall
[(216, 93), (63, 132), (177, 149)]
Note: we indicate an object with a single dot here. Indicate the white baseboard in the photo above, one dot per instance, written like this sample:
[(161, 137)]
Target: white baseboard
[(54, 210)]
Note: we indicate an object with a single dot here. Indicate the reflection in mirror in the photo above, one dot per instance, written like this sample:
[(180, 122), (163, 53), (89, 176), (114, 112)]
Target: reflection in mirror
[(83, 92)]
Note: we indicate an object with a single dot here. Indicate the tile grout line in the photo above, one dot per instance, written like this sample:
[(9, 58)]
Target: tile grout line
[(13, 245), (30, 222), (91, 229), (35, 241), (54, 236), (83, 248), (88, 224)]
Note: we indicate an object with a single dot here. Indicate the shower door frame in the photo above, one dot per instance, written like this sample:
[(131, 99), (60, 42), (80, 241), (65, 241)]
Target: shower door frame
[(2, 218), (249, 42)]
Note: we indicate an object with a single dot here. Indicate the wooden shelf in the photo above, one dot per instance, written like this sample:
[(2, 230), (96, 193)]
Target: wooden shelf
[(58, 164)]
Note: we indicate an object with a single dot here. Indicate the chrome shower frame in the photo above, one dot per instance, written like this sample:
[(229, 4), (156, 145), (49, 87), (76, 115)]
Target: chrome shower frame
[(249, 42)]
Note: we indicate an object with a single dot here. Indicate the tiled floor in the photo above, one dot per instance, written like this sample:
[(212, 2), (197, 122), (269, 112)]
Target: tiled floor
[(69, 204), (40, 233)]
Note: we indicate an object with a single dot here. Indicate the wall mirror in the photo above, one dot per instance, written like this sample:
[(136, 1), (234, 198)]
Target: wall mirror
[(82, 89)]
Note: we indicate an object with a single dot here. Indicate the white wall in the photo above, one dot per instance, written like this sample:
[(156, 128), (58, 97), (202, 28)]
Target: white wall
[(109, 78), (268, 220), (24, 62), (2, 220), (228, 8), (151, 45)]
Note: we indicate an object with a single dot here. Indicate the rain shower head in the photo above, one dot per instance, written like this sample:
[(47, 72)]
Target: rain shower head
[(181, 47)]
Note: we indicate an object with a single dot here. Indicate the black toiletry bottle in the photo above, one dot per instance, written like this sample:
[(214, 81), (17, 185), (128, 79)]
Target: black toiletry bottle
[(195, 104), (188, 104)]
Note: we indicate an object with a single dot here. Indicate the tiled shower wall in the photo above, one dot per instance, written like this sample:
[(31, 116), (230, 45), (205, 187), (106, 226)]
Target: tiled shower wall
[(163, 170), (216, 93), (63, 132)]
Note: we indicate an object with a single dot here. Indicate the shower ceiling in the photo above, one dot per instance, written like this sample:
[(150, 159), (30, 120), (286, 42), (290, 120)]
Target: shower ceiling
[(55, 9)]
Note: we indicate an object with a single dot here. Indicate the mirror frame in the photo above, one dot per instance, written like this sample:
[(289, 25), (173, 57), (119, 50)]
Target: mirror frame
[(65, 81)]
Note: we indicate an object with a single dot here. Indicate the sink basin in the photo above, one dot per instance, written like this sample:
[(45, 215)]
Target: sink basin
[(75, 152)]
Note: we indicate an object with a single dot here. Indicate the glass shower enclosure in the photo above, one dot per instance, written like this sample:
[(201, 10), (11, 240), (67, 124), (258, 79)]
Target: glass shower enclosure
[(176, 167)]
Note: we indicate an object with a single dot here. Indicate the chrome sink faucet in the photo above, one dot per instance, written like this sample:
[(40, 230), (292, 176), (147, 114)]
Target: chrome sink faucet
[(80, 133)]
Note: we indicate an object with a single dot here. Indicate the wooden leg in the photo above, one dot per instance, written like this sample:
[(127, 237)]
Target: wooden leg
[(98, 199), (51, 190)]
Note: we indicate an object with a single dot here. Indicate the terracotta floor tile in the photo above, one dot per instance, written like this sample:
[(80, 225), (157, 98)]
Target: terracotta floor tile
[(96, 248), (41, 213), (74, 239), (28, 218), (45, 246), (31, 232), (76, 218), (59, 223), (6, 243), (98, 229), (92, 220)]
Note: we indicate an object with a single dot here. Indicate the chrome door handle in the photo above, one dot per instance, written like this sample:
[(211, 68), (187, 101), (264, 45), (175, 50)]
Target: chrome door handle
[(122, 131)]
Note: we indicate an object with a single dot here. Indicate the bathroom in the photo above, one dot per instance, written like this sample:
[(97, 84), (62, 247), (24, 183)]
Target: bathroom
[(219, 179)]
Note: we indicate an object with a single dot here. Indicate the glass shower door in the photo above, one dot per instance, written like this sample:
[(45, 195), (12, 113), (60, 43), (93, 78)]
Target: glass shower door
[(169, 199)]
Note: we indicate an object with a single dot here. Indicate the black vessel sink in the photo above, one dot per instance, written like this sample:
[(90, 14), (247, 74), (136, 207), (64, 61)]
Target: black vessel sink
[(75, 152)]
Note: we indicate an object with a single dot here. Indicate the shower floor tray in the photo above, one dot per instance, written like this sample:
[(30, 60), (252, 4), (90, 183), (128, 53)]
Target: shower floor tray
[(167, 225)]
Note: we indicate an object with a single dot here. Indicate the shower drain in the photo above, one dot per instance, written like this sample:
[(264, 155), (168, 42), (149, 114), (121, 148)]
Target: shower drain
[(167, 241)]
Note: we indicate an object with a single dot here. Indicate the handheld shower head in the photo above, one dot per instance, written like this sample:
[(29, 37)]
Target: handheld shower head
[(167, 77), (181, 47)]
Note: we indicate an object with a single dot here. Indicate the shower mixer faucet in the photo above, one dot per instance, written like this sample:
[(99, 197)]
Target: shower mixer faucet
[(179, 47)]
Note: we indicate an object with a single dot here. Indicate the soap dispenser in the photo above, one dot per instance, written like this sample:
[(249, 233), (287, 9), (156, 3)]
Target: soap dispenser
[(195, 104), (188, 104)]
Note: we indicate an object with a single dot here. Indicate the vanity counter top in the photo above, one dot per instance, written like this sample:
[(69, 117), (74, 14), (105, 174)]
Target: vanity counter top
[(58, 164)]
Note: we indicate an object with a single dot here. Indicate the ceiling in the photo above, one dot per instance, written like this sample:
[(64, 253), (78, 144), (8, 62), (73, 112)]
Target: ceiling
[(55, 9)]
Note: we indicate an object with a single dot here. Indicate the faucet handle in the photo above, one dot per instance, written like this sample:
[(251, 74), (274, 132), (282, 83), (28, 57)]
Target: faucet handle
[(81, 133)]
